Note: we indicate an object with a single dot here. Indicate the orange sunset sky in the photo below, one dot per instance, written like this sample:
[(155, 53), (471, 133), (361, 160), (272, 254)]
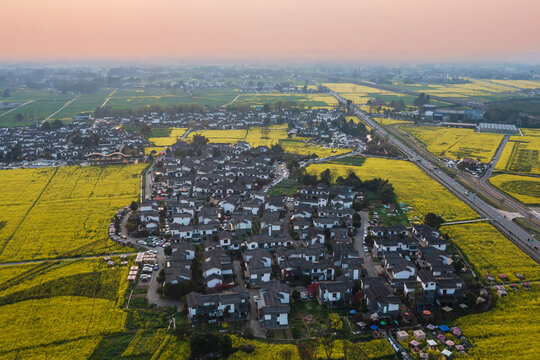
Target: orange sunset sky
[(273, 29)]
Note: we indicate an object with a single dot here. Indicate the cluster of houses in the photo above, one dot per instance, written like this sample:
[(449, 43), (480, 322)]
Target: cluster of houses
[(261, 248), (80, 141), (267, 246), (416, 264)]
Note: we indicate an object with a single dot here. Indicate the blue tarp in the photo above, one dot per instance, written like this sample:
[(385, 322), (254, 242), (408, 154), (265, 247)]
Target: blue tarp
[(374, 327), (444, 328)]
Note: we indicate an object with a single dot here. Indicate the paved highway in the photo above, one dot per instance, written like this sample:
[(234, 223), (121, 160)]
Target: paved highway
[(519, 236)]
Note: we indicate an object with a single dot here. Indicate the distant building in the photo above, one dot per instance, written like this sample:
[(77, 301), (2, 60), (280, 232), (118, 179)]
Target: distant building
[(474, 115), (506, 129), (84, 116)]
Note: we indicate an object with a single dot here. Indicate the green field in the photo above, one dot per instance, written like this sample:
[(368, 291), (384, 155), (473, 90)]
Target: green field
[(285, 187), (85, 103), (135, 99), (44, 104)]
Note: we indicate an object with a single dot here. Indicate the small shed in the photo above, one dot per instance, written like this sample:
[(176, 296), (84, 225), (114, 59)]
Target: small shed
[(419, 335), (402, 335), (446, 353), (414, 343), (444, 328)]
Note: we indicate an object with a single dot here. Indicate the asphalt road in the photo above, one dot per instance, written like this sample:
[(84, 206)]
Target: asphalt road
[(369, 265), (519, 236)]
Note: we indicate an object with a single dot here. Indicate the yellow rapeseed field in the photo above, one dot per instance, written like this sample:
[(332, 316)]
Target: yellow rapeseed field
[(44, 321), (221, 136), (65, 212), (530, 132), (263, 350), (522, 84), (276, 134), (359, 94), (176, 133), (524, 188), (456, 143), (316, 101), (76, 349), (507, 332), (411, 186), (385, 121), (155, 149), (521, 155), (490, 252)]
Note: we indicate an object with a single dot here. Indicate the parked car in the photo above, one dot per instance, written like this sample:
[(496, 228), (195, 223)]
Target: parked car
[(366, 249)]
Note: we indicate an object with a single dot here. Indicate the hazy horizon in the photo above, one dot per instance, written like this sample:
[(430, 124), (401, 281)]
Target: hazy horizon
[(343, 30)]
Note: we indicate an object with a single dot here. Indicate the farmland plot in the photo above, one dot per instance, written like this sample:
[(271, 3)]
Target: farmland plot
[(411, 185), (524, 188), (67, 215), (456, 143), (308, 100), (44, 321), (173, 135), (490, 252), (275, 134), (521, 156)]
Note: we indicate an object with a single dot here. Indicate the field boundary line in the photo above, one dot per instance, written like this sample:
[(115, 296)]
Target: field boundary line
[(231, 102), (8, 240), (62, 108), (18, 107), (65, 259), (108, 98)]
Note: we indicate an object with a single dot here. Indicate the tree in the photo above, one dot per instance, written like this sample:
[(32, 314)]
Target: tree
[(202, 344), (266, 128), (326, 177), (353, 351), (335, 322), (18, 117), (161, 276), (199, 140), (357, 220), (296, 295), (145, 130), (56, 124), (433, 220), (326, 341), (421, 100), (167, 250), (5, 93), (134, 206), (306, 350)]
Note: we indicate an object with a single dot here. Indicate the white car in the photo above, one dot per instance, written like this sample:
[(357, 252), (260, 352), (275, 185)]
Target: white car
[(366, 249)]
